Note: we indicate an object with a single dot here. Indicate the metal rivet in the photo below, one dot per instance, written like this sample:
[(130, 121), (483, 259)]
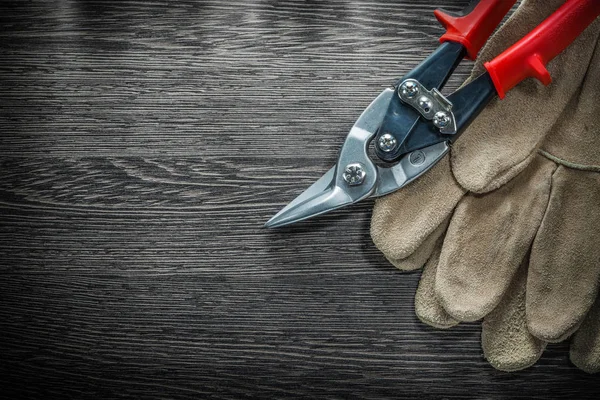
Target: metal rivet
[(354, 174), (441, 119), (425, 103), (409, 89), (387, 142), (417, 158)]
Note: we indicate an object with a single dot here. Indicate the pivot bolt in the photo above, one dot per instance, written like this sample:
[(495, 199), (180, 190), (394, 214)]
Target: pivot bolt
[(441, 119), (354, 174), (387, 142), (409, 89)]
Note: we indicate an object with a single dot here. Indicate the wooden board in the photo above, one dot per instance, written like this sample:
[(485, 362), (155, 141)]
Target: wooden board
[(143, 145)]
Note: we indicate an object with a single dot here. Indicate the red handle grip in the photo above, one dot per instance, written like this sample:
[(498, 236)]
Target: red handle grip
[(474, 29), (530, 55)]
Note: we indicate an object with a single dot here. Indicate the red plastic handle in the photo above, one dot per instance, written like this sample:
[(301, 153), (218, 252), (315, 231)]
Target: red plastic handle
[(530, 55), (474, 29)]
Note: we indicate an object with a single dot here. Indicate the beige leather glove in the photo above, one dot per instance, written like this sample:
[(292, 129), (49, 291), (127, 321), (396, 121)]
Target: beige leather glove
[(509, 231)]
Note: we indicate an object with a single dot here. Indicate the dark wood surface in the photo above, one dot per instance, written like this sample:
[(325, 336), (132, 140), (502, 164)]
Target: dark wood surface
[(142, 146)]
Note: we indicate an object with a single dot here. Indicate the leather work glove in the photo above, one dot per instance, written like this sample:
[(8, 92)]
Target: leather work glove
[(507, 227)]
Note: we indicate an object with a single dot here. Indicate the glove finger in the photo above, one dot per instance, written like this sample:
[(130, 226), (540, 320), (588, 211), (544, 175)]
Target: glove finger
[(501, 142), (403, 220), (424, 252), (564, 267), (427, 307), (487, 239), (505, 339), (585, 346)]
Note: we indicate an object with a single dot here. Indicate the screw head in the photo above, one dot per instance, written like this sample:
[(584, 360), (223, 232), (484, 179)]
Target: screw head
[(441, 119), (409, 89), (354, 174), (425, 103), (387, 142)]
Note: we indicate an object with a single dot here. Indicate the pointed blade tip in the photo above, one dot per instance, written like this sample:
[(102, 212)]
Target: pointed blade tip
[(274, 222), (269, 224)]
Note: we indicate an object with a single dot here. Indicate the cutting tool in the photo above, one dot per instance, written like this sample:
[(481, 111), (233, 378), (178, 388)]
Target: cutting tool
[(412, 124)]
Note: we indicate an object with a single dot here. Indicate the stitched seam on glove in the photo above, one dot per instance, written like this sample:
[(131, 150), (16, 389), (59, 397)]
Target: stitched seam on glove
[(566, 163)]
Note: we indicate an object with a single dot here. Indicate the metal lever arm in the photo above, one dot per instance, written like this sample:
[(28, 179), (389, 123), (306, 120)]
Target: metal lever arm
[(465, 35)]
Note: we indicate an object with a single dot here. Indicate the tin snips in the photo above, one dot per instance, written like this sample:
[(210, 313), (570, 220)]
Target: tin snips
[(413, 124)]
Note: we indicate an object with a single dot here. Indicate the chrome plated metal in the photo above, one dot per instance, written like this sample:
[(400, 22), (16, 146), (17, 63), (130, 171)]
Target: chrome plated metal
[(332, 190), (431, 104), (339, 187), (354, 174), (387, 142), (441, 119), (425, 104), (321, 185), (410, 167), (409, 89)]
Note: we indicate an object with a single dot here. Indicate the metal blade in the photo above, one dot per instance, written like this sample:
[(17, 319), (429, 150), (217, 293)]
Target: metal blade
[(310, 203), (337, 187), (319, 186)]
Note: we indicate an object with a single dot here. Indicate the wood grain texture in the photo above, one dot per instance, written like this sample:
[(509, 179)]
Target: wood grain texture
[(144, 143)]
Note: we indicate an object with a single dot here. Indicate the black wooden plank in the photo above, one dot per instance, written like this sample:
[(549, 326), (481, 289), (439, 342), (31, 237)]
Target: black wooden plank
[(144, 144)]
